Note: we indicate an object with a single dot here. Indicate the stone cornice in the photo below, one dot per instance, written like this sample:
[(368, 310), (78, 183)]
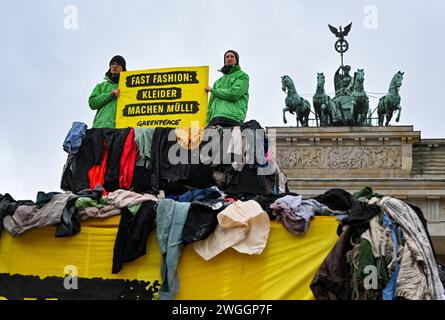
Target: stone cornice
[(397, 187), (345, 135)]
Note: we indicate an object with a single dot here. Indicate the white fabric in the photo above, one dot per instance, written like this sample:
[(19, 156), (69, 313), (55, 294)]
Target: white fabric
[(244, 226)]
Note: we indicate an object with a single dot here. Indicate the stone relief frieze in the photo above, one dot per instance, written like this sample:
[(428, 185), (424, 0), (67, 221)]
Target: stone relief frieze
[(340, 157)]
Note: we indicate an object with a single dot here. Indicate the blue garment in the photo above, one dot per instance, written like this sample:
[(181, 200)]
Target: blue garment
[(389, 293), (74, 137), (199, 195), (171, 217)]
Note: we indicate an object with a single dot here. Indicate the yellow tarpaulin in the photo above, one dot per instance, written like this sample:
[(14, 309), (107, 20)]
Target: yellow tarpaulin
[(167, 97), (283, 271)]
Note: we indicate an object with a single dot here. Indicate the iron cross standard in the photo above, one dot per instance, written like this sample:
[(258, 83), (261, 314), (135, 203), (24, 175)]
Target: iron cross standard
[(341, 45)]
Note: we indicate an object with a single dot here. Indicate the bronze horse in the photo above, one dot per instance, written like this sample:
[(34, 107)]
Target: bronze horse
[(391, 101), (295, 103), (324, 106), (360, 106)]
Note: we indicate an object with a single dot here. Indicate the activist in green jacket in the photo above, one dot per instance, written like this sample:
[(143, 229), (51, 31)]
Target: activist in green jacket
[(229, 96), (105, 94)]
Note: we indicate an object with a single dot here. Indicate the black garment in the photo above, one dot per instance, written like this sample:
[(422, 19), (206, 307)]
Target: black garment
[(333, 279), (113, 77), (223, 122), (266, 144), (212, 151), (141, 179), (214, 148), (360, 212), (67, 182), (336, 199), (70, 221), (8, 206), (162, 168), (200, 223), (20, 287), (247, 182), (226, 69), (132, 235), (115, 140), (221, 158), (255, 137), (251, 124), (173, 188), (43, 198), (200, 176), (75, 173), (94, 194)]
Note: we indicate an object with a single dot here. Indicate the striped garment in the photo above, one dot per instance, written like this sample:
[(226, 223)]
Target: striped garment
[(418, 276)]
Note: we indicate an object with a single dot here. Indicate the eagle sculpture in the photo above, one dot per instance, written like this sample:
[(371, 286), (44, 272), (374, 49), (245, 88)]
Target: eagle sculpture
[(342, 33)]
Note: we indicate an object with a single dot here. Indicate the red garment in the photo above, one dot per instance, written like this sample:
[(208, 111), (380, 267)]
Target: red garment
[(128, 159), (229, 199), (96, 175)]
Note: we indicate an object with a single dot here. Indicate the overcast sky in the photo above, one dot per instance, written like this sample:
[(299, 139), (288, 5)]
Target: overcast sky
[(54, 52)]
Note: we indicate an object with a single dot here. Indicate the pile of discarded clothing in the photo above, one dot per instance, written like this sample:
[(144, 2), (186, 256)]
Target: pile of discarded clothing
[(226, 199), (236, 159), (384, 251)]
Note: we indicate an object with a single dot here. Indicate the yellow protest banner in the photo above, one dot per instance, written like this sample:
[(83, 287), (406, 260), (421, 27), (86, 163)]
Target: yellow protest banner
[(39, 265), (167, 97)]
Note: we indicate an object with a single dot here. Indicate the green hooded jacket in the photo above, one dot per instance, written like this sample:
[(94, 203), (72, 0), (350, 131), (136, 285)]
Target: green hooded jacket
[(101, 100), (229, 97)]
